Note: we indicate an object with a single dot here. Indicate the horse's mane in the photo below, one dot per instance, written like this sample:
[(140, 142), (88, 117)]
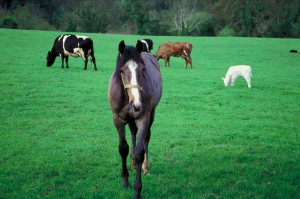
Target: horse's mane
[(130, 53)]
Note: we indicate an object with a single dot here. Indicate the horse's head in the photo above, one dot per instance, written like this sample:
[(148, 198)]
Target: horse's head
[(131, 67), (50, 59)]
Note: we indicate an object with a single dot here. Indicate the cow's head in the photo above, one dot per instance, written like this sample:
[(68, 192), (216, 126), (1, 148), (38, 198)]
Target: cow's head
[(156, 57), (50, 59)]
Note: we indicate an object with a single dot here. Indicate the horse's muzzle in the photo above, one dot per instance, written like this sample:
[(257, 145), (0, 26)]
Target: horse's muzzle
[(135, 107)]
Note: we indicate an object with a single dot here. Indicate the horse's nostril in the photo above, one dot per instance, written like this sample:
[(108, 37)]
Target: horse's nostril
[(131, 103), (137, 108)]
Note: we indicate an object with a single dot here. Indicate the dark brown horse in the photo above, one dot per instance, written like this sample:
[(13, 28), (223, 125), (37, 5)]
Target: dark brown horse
[(134, 91)]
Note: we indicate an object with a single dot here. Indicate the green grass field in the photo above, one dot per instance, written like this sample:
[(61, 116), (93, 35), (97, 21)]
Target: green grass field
[(57, 138)]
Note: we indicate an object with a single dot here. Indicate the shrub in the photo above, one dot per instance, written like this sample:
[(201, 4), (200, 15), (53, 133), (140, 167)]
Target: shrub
[(227, 32), (9, 22)]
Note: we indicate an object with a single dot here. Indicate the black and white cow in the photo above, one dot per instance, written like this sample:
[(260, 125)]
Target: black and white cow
[(147, 45), (71, 45)]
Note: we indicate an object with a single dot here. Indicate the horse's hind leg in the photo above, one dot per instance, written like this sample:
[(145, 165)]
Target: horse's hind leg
[(123, 148), (133, 131)]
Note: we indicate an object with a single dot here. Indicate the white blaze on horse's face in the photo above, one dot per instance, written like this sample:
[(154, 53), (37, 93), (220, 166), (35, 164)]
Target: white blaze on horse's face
[(132, 65)]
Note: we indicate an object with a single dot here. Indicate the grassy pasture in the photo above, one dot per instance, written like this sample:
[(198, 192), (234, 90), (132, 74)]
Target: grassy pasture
[(57, 138)]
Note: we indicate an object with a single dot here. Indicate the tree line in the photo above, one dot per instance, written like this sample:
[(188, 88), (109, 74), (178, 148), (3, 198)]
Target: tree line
[(250, 18)]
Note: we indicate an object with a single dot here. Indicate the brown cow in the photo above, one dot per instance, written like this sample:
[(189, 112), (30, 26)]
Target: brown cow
[(176, 49)]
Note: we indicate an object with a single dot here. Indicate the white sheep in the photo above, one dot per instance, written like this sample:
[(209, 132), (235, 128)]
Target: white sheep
[(238, 71)]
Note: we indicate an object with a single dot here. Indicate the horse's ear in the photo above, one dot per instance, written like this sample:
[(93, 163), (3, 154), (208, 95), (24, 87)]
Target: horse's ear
[(121, 47), (139, 46)]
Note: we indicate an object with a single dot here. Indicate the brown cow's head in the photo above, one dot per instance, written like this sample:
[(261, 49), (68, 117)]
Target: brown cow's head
[(156, 57)]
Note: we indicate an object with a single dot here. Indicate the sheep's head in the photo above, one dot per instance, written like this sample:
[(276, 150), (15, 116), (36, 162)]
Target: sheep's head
[(225, 81)]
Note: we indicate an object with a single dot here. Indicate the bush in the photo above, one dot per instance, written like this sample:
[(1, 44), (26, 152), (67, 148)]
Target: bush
[(24, 17), (71, 27), (295, 30), (9, 22), (227, 32)]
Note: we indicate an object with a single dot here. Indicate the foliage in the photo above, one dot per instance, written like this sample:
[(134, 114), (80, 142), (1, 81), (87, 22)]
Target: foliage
[(227, 32), (9, 22), (58, 139), (71, 27), (251, 18)]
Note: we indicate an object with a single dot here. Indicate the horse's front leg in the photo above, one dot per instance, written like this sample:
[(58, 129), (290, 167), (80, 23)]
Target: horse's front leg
[(145, 165), (143, 127), (133, 130), (123, 148)]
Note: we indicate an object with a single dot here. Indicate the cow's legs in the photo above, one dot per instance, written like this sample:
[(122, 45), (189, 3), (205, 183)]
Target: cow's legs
[(93, 60), (123, 148), (186, 61), (190, 61), (143, 128), (85, 58), (62, 61), (67, 61), (166, 61), (133, 130)]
